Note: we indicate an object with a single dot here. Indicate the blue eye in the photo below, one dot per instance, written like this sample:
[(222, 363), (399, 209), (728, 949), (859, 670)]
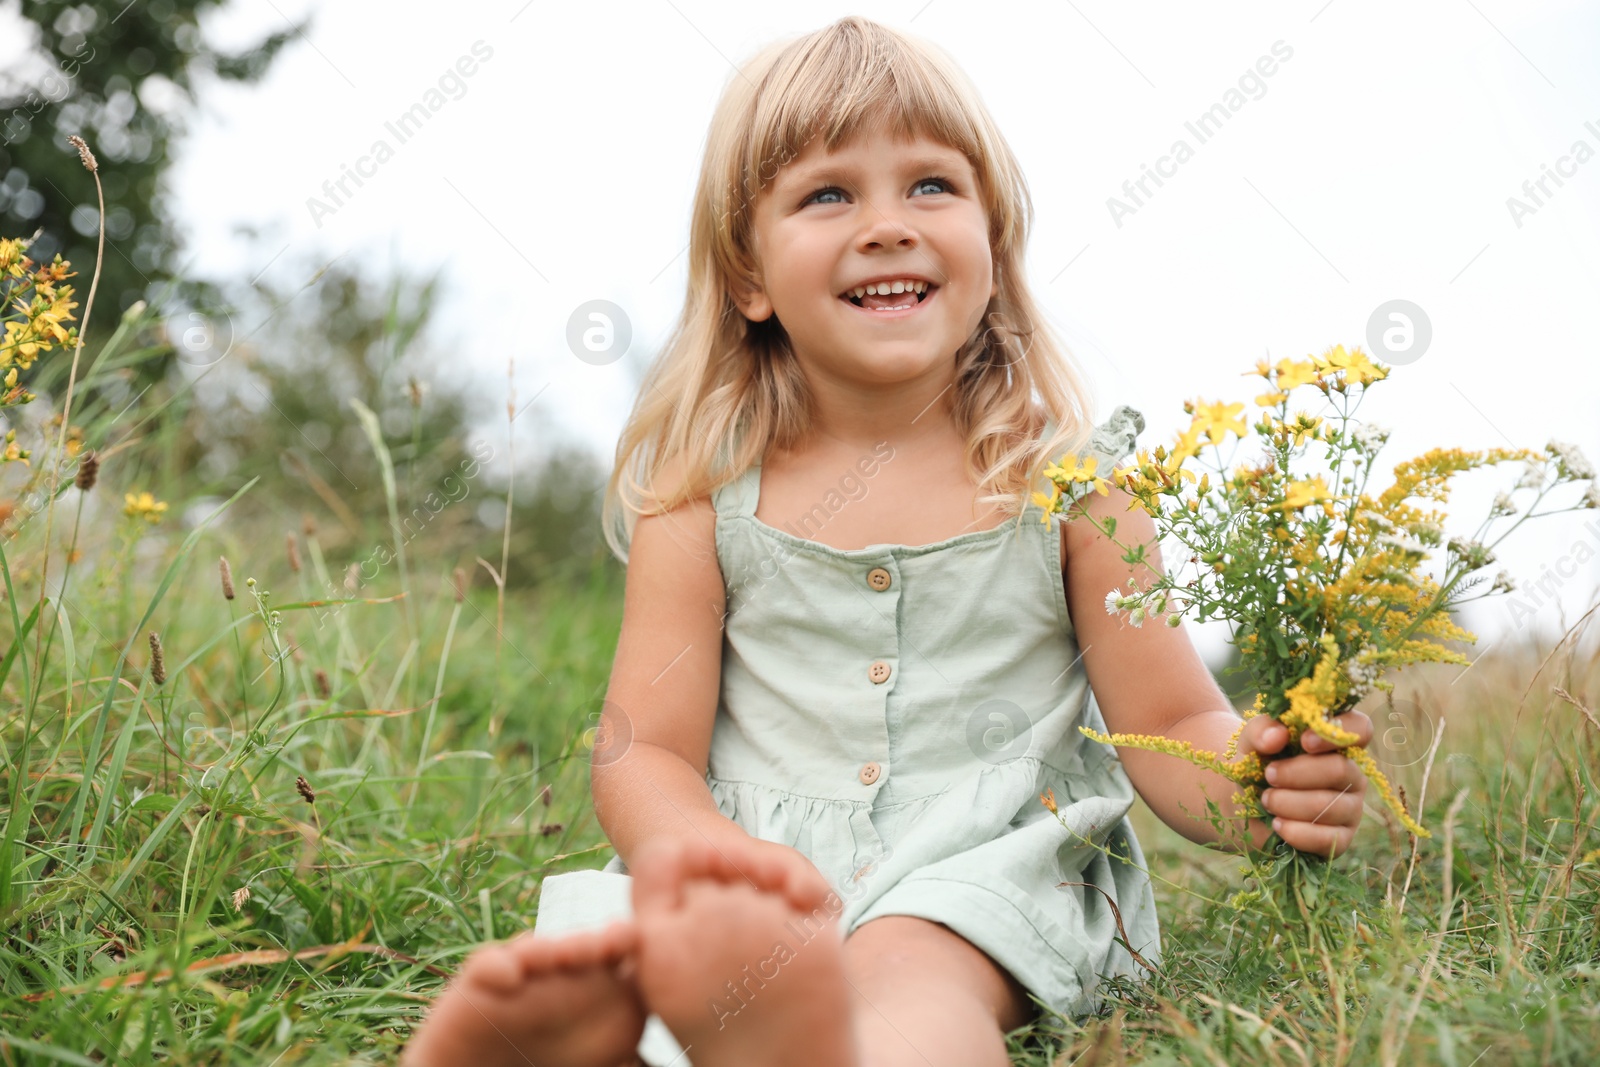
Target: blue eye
[(948, 187)]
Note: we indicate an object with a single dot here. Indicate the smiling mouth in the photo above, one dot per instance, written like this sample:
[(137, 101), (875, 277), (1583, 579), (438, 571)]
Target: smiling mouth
[(916, 299)]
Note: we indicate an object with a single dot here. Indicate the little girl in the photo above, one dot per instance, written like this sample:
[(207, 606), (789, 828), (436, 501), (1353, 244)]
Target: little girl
[(855, 821)]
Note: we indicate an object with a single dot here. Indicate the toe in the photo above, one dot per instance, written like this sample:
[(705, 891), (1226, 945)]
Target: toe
[(537, 954), (658, 874), (702, 859), (493, 967), (618, 940)]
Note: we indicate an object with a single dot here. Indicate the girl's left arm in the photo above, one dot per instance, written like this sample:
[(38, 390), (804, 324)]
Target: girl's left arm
[(1150, 680)]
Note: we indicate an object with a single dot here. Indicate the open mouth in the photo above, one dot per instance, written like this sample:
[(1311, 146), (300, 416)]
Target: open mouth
[(904, 303)]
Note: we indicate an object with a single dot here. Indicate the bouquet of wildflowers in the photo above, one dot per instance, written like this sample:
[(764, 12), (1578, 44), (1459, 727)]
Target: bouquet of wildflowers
[(1319, 575)]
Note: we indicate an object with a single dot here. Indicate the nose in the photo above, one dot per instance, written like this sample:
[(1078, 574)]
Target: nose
[(886, 226)]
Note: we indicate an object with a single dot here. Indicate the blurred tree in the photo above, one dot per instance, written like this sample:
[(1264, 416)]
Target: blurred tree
[(279, 407), (120, 75), (555, 523)]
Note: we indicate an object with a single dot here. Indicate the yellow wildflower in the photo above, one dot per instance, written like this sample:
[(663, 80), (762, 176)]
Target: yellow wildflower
[(1293, 373), (1050, 504), (143, 506), (1299, 494), (1246, 770), (12, 261), (1233, 742), (1170, 472), (1302, 425), (1369, 767), (1071, 470), (1356, 366), (1188, 442), (1216, 420), (1272, 399)]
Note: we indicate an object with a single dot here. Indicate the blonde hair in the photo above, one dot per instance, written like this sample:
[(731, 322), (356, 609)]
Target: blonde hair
[(725, 389)]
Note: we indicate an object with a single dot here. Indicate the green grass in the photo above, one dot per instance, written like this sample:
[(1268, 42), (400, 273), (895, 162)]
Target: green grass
[(136, 812)]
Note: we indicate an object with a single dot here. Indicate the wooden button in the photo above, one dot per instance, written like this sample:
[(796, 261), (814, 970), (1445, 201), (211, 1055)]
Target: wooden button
[(878, 672), (869, 773), (879, 579)]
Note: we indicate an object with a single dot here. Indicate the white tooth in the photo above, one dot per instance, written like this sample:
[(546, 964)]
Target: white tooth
[(897, 287), (922, 287), (860, 291)]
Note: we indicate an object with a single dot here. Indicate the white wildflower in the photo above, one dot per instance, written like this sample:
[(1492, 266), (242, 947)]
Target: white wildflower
[(1532, 474), (1502, 506), (1591, 499), (1362, 674), (1136, 616), (1429, 533), (1471, 552), (1503, 583), (1113, 601), (1370, 436), (1403, 544), (1571, 462)]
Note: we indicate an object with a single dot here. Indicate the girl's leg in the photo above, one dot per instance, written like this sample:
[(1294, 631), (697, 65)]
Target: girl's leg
[(923, 996)]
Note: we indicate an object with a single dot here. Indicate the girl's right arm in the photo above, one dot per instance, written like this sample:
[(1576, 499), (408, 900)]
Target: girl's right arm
[(649, 764)]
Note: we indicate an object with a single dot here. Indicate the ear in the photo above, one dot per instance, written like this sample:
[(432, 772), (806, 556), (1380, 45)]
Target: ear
[(751, 300)]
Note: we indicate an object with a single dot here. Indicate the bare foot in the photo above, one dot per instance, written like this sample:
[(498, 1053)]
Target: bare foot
[(566, 1001), (739, 974)]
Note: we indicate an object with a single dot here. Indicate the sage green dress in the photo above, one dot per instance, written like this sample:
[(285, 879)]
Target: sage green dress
[(895, 714)]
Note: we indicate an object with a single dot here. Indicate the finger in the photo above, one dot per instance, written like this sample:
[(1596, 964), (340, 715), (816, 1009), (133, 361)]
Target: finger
[(1263, 734), (1330, 807), (1330, 770), (1359, 724), (1327, 841)]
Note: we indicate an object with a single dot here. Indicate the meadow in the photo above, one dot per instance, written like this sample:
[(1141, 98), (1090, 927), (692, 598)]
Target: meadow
[(255, 812)]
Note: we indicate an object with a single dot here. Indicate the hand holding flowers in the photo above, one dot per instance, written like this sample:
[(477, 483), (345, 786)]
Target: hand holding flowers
[(1320, 579), (1314, 798)]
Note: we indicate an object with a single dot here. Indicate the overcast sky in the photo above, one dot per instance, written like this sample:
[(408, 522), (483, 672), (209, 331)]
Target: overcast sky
[(1374, 164)]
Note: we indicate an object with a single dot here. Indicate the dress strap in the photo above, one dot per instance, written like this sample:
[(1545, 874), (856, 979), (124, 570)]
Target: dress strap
[(738, 496)]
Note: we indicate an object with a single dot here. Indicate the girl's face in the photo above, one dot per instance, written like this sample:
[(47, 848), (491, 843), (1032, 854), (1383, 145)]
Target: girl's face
[(878, 209)]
